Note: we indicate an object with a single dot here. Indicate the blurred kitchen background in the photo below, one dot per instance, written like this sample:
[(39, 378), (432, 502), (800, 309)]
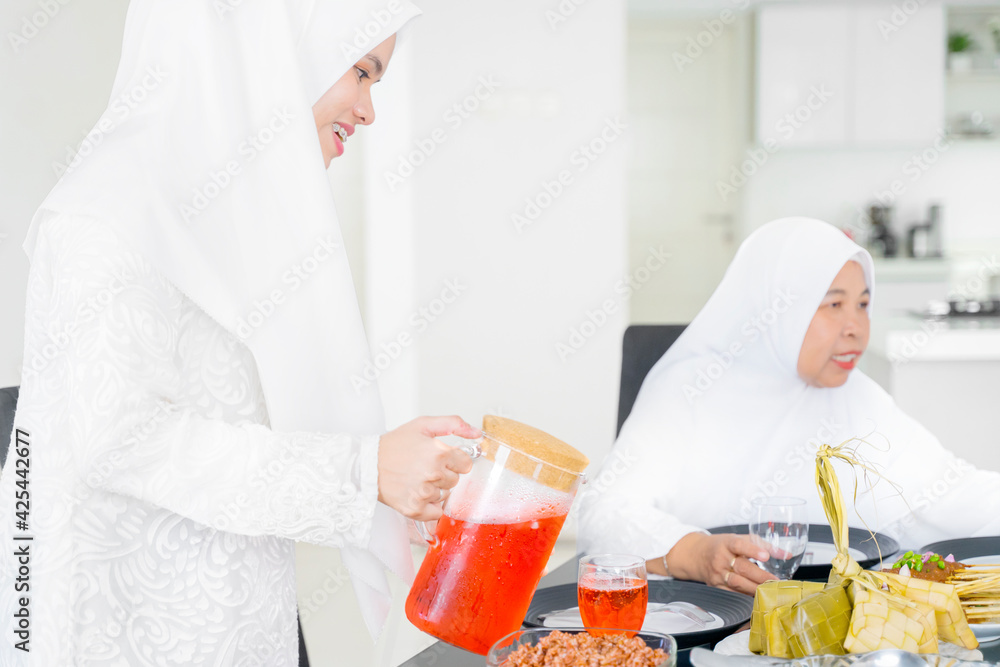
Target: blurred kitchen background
[(563, 168)]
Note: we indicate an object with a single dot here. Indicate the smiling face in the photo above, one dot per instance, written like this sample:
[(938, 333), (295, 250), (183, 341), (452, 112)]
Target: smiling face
[(348, 102), (838, 333)]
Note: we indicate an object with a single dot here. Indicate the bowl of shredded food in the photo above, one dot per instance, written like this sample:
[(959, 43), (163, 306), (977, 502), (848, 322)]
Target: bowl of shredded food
[(542, 647)]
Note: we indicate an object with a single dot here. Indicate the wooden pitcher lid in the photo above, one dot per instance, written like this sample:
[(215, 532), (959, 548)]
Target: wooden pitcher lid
[(565, 463)]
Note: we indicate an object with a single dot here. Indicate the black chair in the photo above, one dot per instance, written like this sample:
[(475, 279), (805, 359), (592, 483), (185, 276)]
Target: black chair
[(8, 405), (642, 347)]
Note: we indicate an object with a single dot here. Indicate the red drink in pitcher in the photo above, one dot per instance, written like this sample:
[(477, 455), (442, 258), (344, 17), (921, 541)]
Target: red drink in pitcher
[(607, 602), (495, 538), (476, 582)]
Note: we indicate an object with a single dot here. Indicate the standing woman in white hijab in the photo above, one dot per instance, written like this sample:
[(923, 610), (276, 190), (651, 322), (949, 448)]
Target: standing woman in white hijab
[(186, 408), (737, 407)]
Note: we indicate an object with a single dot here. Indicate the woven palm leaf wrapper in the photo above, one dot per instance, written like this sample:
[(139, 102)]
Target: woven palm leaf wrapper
[(818, 624), (880, 621), (773, 601), (895, 621), (952, 624)]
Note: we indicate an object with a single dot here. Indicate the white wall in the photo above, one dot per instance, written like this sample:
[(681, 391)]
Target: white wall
[(55, 85), (494, 350), (834, 185)]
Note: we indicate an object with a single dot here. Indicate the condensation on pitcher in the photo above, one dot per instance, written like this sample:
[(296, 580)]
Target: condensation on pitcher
[(517, 499)]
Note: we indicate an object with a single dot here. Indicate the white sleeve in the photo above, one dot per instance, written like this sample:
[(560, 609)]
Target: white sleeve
[(622, 510), (121, 417), (946, 497)]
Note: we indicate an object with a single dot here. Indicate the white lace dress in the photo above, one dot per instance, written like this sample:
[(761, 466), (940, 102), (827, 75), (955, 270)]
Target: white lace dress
[(163, 509)]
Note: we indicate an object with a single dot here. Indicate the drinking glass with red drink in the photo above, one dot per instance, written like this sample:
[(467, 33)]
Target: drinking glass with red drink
[(612, 592)]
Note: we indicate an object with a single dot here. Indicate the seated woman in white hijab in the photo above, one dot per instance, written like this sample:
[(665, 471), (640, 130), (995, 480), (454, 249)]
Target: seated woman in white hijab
[(187, 410), (736, 408)]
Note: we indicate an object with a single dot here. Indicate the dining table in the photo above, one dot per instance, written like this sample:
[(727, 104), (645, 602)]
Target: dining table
[(441, 654)]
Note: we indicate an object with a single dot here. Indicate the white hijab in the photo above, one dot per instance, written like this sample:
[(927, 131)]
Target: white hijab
[(724, 417), (207, 161)]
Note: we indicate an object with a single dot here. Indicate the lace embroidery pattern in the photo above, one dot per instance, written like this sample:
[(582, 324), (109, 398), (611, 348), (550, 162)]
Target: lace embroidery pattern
[(164, 509)]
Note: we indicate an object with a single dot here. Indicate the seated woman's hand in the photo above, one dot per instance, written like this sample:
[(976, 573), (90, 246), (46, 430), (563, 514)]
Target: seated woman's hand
[(415, 470), (719, 560)]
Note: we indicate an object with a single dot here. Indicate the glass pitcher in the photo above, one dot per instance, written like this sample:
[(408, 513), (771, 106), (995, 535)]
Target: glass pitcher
[(499, 527)]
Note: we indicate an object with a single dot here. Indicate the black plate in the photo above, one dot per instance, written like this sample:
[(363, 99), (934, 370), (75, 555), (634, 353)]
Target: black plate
[(966, 547), (733, 608), (859, 539)]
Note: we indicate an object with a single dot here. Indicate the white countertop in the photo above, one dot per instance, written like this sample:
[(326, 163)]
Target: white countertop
[(954, 339)]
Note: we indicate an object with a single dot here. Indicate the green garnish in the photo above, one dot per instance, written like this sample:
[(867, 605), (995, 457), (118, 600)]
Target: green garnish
[(915, 562), (904, 560)]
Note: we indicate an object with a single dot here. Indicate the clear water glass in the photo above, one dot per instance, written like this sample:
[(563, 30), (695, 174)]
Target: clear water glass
[(780, 525)]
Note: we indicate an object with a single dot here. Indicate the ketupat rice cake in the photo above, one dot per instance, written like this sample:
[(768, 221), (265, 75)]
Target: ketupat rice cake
[(880, 622), (952, 625), (818, 624), (773, 600), (909, 614)]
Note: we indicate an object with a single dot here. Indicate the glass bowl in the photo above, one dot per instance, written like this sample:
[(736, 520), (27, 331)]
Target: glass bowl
[(497, 657)]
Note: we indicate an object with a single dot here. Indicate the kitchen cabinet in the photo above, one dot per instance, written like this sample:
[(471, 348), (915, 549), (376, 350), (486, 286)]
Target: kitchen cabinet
[(801, 51), (972, 97), (834, 75)]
